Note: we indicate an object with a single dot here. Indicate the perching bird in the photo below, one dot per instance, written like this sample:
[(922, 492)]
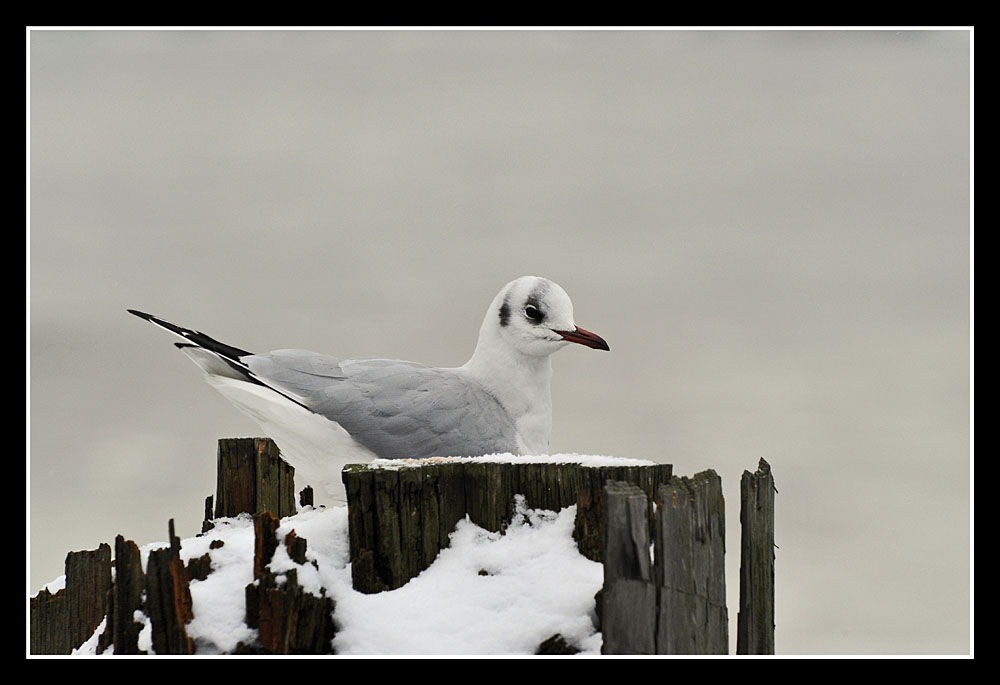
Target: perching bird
[(324, 412)]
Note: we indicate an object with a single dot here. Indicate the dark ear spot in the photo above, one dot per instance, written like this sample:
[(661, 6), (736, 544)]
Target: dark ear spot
[(504, 313)]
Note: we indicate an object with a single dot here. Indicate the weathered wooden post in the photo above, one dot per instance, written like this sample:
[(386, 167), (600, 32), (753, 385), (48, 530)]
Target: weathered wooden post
[(690, 553), (288, 619), (168, 599), (126, 596), (252, 477), (88, 581), (401, 515), (628, 598), (49, 623), (755, 622), (62, 621)]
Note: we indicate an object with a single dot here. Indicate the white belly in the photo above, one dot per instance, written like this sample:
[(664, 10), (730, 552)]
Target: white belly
[(315, 446)]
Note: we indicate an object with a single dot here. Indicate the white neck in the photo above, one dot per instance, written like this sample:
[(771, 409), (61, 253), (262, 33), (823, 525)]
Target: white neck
[(520, 382)]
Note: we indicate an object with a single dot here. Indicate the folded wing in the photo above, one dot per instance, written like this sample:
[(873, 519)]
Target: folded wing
[(394, 408)]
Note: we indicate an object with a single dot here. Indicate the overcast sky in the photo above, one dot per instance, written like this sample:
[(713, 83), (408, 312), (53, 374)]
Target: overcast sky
[(771, 229)]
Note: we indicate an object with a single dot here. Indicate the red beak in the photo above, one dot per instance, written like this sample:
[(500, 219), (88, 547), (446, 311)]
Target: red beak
[(585, 338)]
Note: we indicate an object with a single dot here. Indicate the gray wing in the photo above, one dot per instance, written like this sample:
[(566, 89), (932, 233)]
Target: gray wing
[(396, 409)]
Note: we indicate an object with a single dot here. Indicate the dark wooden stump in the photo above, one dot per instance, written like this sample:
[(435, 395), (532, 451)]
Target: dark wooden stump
[(690, 548), (306, 496), (288, 619), (88, 582), (49, 624), (252, 478), (400, 517), (126, 596), (168, 599), (63, 621), (628, 598), (755, 622)]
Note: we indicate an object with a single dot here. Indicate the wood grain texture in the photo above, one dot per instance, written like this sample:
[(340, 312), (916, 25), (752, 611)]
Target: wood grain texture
[(755, 622), (400, 518), (168, 599), (690, 562), (251, 477), (628, 598)]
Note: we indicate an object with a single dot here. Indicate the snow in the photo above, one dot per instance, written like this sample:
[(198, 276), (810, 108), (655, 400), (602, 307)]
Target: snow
[(582, 459), (219, 601), (56, 585), (145, 641), (90, 645), (486, 594)]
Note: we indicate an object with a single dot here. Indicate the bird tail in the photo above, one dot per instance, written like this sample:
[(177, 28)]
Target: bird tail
[(215, 358)]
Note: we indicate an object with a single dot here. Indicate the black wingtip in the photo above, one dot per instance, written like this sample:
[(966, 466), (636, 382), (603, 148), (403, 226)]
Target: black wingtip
[(227, 353), (141, 315), (196, 338)]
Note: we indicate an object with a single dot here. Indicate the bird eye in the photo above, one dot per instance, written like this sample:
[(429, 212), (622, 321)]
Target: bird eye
[(533, 313)]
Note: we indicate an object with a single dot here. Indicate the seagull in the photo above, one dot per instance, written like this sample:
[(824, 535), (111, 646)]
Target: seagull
[(324, 412)]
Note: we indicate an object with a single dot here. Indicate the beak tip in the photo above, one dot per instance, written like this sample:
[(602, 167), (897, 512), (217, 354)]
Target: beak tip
[(585, 338)]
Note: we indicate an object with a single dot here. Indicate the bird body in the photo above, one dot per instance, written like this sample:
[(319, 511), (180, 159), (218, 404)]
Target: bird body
[(324, 412)]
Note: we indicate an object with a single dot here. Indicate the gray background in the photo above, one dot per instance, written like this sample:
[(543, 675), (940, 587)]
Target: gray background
[(772, 230)]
